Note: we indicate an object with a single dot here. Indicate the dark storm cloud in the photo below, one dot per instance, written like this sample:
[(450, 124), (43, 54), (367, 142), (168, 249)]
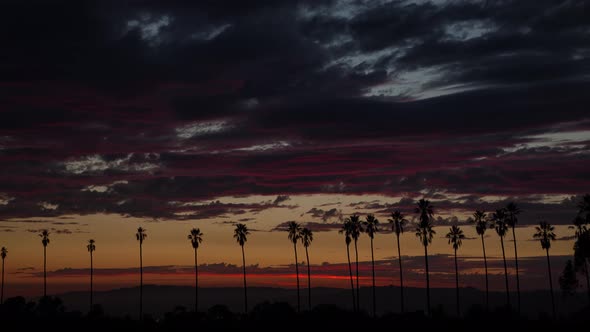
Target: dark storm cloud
[(57, 231), (312, 225), (325, 215), (138, 108)]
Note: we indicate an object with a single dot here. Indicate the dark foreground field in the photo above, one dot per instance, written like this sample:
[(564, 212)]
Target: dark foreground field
[(51, 314)]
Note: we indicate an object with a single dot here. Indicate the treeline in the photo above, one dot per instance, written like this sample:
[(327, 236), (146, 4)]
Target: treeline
[(50, 314)]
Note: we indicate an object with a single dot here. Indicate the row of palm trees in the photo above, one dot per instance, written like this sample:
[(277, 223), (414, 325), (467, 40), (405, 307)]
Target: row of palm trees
[(501, 221)]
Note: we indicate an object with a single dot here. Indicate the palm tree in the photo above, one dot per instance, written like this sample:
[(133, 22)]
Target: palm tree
[(398, 222), (294, 230), (456, 236), (580, 235), (371, 227), (91, 247), (580, 222), (545, 234), (425, 233), (581, 256), (241, 235), (584, 208), (357, 229), (306, 239), (45, 241), (196, 237), (140, 236), (347, 229), (3, 253), (512, 212), (481, 225), (499, 224)]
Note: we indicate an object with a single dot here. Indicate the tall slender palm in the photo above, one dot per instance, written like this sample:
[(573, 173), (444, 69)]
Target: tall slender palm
[(45, 241), (241, 235), (306, 239), (580, 234), (584, 208), (141, 235), (3, 253), (545, 234), (371, 228), (425, 233), (499, 224), (581, 256), (481, 225), (91, 247), (347, 229), (512, 212), (196, 237), (294, 230), (398, 222), (456, 236), (580, 222), (357, 229)]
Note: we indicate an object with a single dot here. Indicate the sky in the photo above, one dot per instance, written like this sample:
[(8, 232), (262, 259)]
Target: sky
[(177, 114)]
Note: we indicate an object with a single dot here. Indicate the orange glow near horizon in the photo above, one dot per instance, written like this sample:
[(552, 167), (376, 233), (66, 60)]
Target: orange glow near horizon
[(268, 251)]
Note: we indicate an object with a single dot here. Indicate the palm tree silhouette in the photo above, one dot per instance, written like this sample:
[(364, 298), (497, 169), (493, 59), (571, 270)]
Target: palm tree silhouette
[(580, 234), (347, 229), (141, 235), (357, 229), (499, 224), (294, 230), (580, 222), (512, 212), (45, 241), (582, 254), (481, 225), (3, 253), (196, 237), (456, 236), (306, 239), (398, 222), (545, 234), (241, 235), (91, 247), (584, 208), (371, 227), (425, 233)]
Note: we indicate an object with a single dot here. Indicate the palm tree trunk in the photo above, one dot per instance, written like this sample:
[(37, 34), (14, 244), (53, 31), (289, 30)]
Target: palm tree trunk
[(401, 275), (308, 280), (358, 294), (427, 281), (196, 283), (140, 282), (587, 277), (297, 277), (505, 272), (551, 285), (2, 291), (91, 281), (44, 271), (516, 266), (351, 279), (373, 270), (457, 284), (245, 288), (485, 264)]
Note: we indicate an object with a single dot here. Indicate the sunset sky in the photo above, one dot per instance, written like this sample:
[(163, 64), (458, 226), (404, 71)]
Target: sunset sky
[(177, 114)]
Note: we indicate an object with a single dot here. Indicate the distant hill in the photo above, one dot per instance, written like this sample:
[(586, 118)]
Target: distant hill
[(161, 299)]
